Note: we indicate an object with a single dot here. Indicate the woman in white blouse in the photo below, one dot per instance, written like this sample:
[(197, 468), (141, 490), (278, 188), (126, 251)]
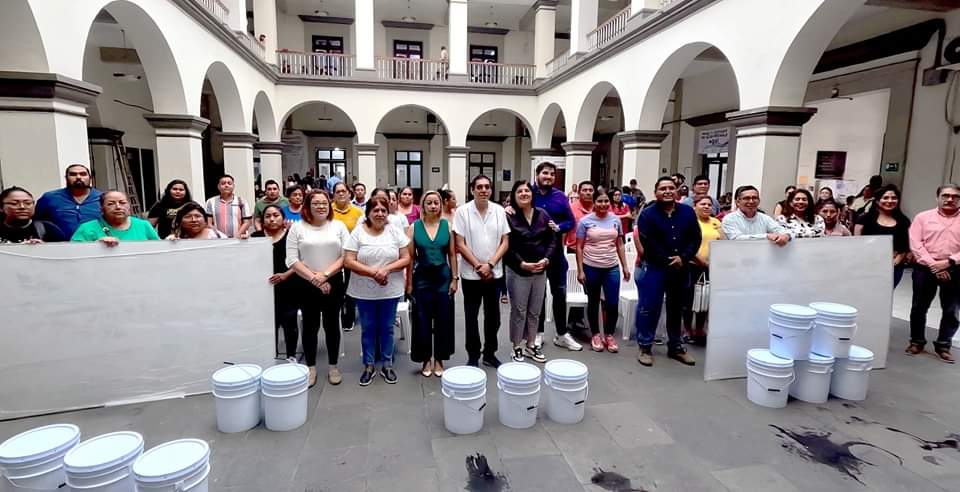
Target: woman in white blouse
[(315, 252), (377, 255), (799, 216)]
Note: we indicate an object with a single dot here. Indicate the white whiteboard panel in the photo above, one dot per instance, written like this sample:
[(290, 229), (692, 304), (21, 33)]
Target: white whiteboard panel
[(746, 277), (83, 325)]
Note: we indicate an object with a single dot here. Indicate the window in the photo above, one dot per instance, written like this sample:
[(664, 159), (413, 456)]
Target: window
[(328, 44), (412, 50), (483, 54), (715, 166), (331, 161), (484, 163), (409, 172), (143, 174)]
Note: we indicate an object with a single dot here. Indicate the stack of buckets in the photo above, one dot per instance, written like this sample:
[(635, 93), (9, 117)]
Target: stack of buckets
[(52, 456), (564, 383), (244, 395), (810, 356)]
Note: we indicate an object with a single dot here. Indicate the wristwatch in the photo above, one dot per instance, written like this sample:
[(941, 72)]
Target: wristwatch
[(952, 262)]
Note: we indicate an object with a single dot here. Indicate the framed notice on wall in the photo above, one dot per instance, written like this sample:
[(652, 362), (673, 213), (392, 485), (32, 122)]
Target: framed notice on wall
[(830, 164), (714, 141)]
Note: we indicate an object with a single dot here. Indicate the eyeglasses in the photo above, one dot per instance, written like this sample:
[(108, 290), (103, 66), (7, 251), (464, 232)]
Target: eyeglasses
[(750, 199), (19, 204)]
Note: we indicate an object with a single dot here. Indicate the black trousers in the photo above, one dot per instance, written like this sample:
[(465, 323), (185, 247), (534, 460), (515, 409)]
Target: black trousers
[(557, 280), (925, 286), (433, 332), (318, 308), (348, 313), (285, 318), (475, 293)]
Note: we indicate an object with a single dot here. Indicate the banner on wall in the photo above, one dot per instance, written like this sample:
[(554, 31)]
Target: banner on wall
[(831, 164), (714, 141)]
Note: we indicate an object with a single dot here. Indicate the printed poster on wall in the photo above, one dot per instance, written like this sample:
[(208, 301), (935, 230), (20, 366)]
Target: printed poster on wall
[(714, 141), (830, 164)]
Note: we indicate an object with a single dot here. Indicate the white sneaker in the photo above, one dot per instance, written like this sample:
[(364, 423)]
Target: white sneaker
[(291, 360), (518, 354), (538, 341), (566, 341)]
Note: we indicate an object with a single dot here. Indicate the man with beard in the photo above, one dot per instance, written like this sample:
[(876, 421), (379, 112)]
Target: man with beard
[(18, 225), (72, 205), (116, 223)]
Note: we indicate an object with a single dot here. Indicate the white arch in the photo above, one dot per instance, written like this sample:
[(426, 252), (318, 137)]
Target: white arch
[(22, 47), (512, 112), (265, 117), (548, 121), (289, 113), (440, 119), (228, 97), (587, 117)]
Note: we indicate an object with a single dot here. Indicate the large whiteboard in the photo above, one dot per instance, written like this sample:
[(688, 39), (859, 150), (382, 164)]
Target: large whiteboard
[(746, 277), (85, 325)]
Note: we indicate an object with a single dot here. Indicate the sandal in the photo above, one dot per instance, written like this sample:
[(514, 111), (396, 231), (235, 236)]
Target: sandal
[(437, 368), (427, 370)]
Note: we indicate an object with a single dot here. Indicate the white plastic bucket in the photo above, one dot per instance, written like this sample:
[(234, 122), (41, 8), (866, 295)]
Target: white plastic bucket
[(768, 378), (567, 388), (813, 379), (236, 390), (102, 464), (175, 466), (835, 313), (851, 375), (790, 341), (834, 328), (284, 389), (519, 385), (464, 390), (33, 460)]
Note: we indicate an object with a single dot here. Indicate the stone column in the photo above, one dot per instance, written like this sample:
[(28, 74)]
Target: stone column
[(579, 161), (457, 46), (457, 171), (583, 19), (179, 149), (43, 128), (265, 22), (367, 164), (768, 146), (363, 11), (545, 29), (271, 162), (238, 162), (641, 157)]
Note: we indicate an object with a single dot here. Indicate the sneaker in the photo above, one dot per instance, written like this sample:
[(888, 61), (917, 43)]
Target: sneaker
[(914, 349), (611, 344), (683, 357), (389, 375), (658, 341), (334, 376), (645, 358), (518, 354), (538, 341), (367, 376), (347, 327), (473, 362), (312, 377), (597, 343), (944, 356), (491, 361), (291, 360), (536, 353), (566, 341)]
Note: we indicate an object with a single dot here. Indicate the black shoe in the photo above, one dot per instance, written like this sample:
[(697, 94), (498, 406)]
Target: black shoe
[(367, 376), (347, 327), (491, 360), (389, 375), (473, 362)]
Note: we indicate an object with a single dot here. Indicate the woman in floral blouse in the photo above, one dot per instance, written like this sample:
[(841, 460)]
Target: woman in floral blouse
[(799, 217)]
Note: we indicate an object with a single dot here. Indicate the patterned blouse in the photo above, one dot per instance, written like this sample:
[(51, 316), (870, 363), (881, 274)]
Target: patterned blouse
[(799, 228)]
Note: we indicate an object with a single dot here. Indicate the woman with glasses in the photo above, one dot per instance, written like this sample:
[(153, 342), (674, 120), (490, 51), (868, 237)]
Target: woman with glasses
[(18, 225)]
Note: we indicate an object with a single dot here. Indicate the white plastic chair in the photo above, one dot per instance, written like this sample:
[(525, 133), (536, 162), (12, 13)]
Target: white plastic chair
[(403, 316), (576, 297), (628, 299)]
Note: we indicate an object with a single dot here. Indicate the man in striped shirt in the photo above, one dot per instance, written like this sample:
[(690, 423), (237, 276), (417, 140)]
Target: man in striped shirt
[(227, 212)]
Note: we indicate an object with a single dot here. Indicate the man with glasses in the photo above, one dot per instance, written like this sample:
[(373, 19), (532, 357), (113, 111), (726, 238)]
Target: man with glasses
[(747, 223), (935, 241), (18, 225), (72, 205)]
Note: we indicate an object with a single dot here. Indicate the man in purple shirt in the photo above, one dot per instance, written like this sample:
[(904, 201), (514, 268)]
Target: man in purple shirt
[(72, 205)]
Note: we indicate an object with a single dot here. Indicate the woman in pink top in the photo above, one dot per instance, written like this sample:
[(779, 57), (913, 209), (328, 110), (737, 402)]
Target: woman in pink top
[(599, 258), (406, 205)]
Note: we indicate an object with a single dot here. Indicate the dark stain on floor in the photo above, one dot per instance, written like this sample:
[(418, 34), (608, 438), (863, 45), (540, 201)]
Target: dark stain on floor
[(849, 405), (932, 460), (952, 441), (481, 478), (857, 420), (817, 447), (612, 481)]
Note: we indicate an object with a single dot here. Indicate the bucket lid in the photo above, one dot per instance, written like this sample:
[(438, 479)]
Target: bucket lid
[(518, 373), (464, 377), (39, 444), (566, 370), (284, 375), (835, 310), (236, 376), (792, 311), (820, 359), (171, 461), (764, 357), (103, 452), (859, 354)]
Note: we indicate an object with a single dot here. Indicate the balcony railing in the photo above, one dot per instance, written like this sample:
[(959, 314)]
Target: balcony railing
[(217, 8), (554, 66), (501, 74), (253, 45), (315, 65), (609, 30), (412, 69)]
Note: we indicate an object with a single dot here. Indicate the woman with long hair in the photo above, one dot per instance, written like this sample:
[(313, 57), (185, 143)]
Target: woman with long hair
[(294, 207), (886, 219), (710, 230), (286, 284), (191, 223), (163, 213), (449, 199), (406, 205), (315, 252), (799, 216), (778, 210), (432, 279)]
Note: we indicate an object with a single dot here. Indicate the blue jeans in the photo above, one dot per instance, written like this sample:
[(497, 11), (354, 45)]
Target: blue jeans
[(653, 282), (376, 329), (608, 280)]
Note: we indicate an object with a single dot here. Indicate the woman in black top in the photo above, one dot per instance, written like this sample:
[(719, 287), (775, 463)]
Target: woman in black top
[(164, 212), (531, 244), (885, 218), (16, 221), (283, 279)]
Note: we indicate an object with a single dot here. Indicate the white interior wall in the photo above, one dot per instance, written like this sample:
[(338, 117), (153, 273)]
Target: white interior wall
[(518, 48), (344, 31), (290, 32), (475, 39), (400, 34)]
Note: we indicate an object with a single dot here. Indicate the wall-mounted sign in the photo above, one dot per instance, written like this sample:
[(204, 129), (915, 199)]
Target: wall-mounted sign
[(830, 164), (891, 167), (434, 169), (506, 175), (714, 141)]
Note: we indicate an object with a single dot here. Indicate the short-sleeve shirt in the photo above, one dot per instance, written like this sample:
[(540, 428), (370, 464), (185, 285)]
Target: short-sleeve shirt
[(58, 206), (349, 217), (139, 230), (290, 215), (316, 246), (600, 240), (228, 215), (36, 229), (375, 252), (263, 203), (482, 235), (709, 231), (165, 217)]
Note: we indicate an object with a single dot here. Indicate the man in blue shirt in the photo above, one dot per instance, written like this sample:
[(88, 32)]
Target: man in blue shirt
[(670, 235), (332, 182), (72, 205), (701, 187)]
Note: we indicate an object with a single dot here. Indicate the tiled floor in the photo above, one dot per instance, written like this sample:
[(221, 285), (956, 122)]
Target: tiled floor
[(654, 429)]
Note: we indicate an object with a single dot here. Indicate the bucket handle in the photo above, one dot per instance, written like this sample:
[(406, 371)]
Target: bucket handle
[(793, 378), (178, 487), (518, 394), (586, 394), (453, 397)]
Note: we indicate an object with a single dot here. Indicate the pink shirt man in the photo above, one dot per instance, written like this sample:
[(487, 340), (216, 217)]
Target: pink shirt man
[(935, 236), (578, 213)]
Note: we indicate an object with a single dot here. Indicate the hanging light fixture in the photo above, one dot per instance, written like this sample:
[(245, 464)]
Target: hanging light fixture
[(321, 12), (323, 113), (409, 17), (129, 77), (491, 22)]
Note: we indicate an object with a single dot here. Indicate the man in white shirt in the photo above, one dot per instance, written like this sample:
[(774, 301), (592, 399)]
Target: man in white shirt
[(747, 223), (481, 230)]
